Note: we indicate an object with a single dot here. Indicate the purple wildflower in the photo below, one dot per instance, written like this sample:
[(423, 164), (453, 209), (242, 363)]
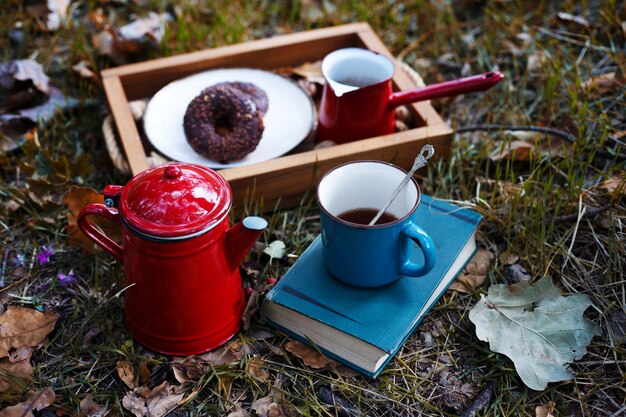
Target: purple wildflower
[(42, 287), (44, 256), (67, 279)]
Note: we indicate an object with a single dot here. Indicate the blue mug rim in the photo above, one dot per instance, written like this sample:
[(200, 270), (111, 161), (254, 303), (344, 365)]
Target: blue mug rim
[(366, 226)]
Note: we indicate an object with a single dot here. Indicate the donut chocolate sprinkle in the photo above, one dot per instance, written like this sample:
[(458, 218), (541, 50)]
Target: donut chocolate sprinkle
[(223, 123)]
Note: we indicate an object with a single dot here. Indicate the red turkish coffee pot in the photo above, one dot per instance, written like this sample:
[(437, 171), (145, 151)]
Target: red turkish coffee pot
[(358, 101), (183, 291)]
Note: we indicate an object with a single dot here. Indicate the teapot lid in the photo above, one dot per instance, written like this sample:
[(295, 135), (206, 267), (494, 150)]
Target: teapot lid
[(175, 200)]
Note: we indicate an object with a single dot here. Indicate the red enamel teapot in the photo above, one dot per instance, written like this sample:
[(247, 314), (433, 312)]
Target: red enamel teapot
[(183, 291)]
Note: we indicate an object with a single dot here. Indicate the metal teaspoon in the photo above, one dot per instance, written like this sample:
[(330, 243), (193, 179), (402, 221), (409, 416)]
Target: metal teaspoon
[(420, 161)]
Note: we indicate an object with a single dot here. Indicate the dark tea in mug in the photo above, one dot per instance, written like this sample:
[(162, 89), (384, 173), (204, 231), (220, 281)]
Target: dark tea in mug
[(365, 216)]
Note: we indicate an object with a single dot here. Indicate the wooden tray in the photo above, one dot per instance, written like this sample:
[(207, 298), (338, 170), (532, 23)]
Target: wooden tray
[(280, 182)]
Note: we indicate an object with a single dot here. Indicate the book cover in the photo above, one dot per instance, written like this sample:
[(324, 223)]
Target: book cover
[(365, 327)]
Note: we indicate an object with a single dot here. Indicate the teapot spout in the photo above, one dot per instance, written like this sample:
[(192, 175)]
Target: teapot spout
[(241, 237)]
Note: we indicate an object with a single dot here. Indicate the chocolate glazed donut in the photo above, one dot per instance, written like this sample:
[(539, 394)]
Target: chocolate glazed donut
[(223, 123), (256, 94)]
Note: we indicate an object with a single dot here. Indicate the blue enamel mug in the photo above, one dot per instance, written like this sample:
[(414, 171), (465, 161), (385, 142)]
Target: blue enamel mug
[(358, 254)]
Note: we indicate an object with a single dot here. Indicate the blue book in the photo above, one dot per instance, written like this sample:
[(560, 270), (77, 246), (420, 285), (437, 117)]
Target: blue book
[(362, 327)]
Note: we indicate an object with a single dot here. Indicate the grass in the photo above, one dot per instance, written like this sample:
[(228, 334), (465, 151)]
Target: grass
[(548, 209)]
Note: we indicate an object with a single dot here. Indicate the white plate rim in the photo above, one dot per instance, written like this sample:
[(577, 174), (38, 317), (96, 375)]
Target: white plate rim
[(188, 155)]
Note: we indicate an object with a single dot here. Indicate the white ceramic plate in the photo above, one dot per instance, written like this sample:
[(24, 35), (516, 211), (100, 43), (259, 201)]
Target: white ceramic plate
[(289, 119)]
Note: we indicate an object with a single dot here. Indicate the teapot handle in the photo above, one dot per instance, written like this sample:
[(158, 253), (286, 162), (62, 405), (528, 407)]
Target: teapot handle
[(96, 235)]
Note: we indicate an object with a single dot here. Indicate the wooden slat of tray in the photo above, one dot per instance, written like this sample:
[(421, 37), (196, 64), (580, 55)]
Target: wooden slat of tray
[(284, 180), (143, 79)]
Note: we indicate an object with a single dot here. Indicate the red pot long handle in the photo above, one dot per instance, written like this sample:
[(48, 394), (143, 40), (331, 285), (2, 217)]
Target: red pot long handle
[(448, 88), (96, 235)]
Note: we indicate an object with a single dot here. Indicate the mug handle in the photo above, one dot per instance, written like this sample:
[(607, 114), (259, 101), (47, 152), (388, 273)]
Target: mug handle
[(414, 233), (96, 235)]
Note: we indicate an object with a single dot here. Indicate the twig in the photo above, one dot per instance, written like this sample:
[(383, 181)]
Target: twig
[(14, 284), (491, 128), (574, 216)]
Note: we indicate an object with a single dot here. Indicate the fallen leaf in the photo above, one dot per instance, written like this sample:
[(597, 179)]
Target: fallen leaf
[(24, 327), (157, 402), (144, 372), (480, 263), (17, 364), (252, 307), (83, 69), (310, 71), (516, 150), (276, 250), (36, 401), (337, 403), (615, 185), (24, 70), (126, 373), (603, 84), (464, 283), (76, 198), (536, 61), (131, 39), (57, 13), (89, 408), (508, 257), (188, 369), (545, 410), (617, 326), (309, 356), (536, 327), (517, 273), (224, 355), (256, 369), (57, 101), (152, 27), (267, 407)]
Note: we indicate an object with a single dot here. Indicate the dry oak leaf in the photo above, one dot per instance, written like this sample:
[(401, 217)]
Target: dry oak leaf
[(144, 372), (24, 70), (508, 257), (21, 326), (224, 355), (18, 364), (464, 283), (36, 401), (188, 369), (545, 410), (516, 150), (540, 330), (256, 369), (267, 407), (89, 408), (604, 84), (311, 71), (616, 184), (309, 356), (480, 262), (126, 373), (157, 402)]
